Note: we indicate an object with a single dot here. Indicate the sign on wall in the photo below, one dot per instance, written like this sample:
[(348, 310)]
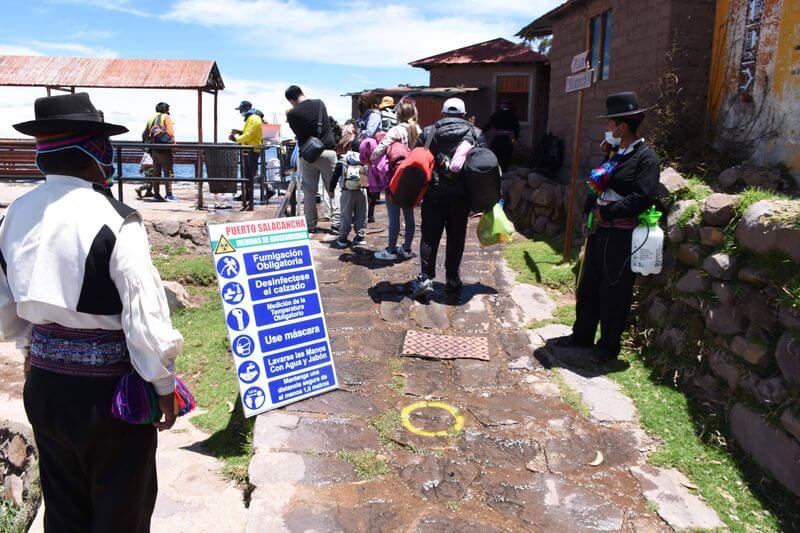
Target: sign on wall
[(580, 62), (579, 81), (273, 311)]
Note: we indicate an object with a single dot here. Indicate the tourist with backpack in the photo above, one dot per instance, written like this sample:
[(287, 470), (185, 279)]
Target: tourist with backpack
[(446, 205), (397, 143), (353, 185), (387, 113), (309, 121), (369, 124), (160, 130)]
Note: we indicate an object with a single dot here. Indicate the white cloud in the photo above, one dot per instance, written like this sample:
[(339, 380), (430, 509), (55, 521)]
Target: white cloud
[(93, 35), (133, 108), (121, 6), (74, 49), (370, 35), (15, 50)]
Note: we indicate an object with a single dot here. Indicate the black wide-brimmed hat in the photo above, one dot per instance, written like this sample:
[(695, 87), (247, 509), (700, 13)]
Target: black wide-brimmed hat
[(623, 105), (67, 112)]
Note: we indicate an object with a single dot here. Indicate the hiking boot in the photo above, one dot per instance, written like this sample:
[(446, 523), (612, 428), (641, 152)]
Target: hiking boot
[(422, 287), (404, 254), (453, 284), (385, 255), (359, 240), (341, 244)]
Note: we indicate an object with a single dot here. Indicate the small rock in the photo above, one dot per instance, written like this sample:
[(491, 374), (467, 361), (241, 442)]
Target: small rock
[(718, 209), (177, 296), (754, 348), (670, 183), (16, 453), (693, 282), (689, 253), (674, 232), (15, 488), (170, 228), (729, 177), (540, 225), (515, 190), (773, 449), (552, 229), (711, 236), (672, 339), (791, 422), (535, 180), (724, 319), (723, 367), (721, 266), (544, 196), (724, 292), (771, 391), (787, 353), (657, 313), (761, 230), (754, 275), (704, 388), (789, 316), (761, 177), (759, 307)]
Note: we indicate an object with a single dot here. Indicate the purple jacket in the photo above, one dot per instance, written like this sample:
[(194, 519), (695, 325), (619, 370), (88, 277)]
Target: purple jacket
[(378, 175)]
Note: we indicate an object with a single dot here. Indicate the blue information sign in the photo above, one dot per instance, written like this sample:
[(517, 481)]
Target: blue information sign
[(273, 312)]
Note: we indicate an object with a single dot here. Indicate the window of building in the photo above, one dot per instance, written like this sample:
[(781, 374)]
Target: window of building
[(516, 90), (600, 45)]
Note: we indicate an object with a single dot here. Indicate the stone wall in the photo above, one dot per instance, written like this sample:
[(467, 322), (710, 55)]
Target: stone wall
[(725, 313), (19, 472), (534, 203)]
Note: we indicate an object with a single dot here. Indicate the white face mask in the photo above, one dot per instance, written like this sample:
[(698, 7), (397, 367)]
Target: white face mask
[(610, 139)]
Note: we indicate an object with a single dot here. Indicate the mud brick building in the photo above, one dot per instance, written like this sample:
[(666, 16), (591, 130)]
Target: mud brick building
[(631, 44)]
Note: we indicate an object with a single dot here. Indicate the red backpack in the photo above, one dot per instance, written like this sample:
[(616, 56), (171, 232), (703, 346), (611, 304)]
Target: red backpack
[(412, 177)]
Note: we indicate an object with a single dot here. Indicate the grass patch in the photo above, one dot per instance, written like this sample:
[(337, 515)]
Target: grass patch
[(398, 383), (696, 190), (570, 396), (564, 314), (688, 215), (208, 367), (8, 512), (694, 442), (366, 463), (386, 424), (453, 506), (186, 269), (541, 263)]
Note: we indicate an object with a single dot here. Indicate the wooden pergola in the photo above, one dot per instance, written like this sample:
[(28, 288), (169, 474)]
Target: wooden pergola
[(69, 73)]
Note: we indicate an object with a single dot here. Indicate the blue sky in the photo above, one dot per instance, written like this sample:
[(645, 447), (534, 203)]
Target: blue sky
[(328, 47)]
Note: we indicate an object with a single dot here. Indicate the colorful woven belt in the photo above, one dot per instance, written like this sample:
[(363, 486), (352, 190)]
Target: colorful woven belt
[(79, 352)]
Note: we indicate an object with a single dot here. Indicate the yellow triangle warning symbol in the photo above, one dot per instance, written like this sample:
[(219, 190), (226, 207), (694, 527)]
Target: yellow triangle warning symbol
[(224, 246)]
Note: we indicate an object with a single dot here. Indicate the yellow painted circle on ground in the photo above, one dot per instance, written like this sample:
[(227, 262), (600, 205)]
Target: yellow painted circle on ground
[(405, 417)]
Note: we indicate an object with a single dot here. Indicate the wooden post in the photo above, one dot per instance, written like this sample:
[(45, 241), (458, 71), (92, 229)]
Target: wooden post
[(216, 128), (199, 164), (573, 178)]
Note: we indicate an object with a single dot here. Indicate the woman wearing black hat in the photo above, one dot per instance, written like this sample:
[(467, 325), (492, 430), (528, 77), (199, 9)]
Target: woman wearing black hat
[(78, 285), (624, 186)]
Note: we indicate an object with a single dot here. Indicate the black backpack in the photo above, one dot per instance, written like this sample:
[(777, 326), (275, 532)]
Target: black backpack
[(482, 174), (158, 132)]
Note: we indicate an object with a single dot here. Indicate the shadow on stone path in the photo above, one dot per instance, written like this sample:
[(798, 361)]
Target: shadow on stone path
[(523, 461)]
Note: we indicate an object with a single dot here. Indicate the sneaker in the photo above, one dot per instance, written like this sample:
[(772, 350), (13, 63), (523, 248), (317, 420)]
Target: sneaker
[(270, 194), (371, 220), (422, 287), (238, 198), (385, 255), (341, 244), (171, 198), (158, 198), (402, 253), (359, 240), (222, 206), (453, 284)]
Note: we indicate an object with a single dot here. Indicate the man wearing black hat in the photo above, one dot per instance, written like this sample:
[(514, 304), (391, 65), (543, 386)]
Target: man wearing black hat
[(80, 288), (625, 186)]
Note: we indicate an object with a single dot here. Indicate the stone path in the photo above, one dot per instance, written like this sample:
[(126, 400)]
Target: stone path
[(524, 460), (192, 497)]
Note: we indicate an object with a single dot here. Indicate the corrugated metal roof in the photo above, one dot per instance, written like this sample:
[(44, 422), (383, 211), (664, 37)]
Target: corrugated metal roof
[(494, 51), (44, 71), (543, 25), (420, 90)]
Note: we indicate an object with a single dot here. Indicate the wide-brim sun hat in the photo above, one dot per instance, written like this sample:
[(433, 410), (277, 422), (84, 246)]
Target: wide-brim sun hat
[(386, 101), (67, 112), (623, 105)]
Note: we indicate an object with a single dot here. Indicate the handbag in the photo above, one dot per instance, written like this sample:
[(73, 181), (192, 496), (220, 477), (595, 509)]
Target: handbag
[(313, 147)]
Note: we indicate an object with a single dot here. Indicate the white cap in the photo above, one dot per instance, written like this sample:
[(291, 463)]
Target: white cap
[(454, 106)]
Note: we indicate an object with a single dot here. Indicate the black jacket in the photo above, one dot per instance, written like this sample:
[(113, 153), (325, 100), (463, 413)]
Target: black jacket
[(448, 134), (636, 180)]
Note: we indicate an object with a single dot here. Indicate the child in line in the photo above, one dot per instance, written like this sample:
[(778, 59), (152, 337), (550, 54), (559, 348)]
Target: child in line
[(353, 208)]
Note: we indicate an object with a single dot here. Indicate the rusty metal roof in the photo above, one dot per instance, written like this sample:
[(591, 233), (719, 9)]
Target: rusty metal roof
[(543, 25), (421, 90), (44, 71), (494, 51)]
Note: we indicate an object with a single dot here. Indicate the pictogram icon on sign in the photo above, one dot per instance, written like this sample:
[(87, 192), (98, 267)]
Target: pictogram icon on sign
[(228, 267), (224, 246), (232, 293), (243, 346), (238, 319)]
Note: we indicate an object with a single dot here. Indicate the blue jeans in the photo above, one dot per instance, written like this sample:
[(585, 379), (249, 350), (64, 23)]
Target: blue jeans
[(394, 225)]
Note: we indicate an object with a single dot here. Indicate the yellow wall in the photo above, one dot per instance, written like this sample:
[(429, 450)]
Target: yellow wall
[(772, 103)]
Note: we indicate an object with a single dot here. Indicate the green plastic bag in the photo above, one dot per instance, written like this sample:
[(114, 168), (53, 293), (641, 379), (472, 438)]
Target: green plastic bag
[(494, 227)]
